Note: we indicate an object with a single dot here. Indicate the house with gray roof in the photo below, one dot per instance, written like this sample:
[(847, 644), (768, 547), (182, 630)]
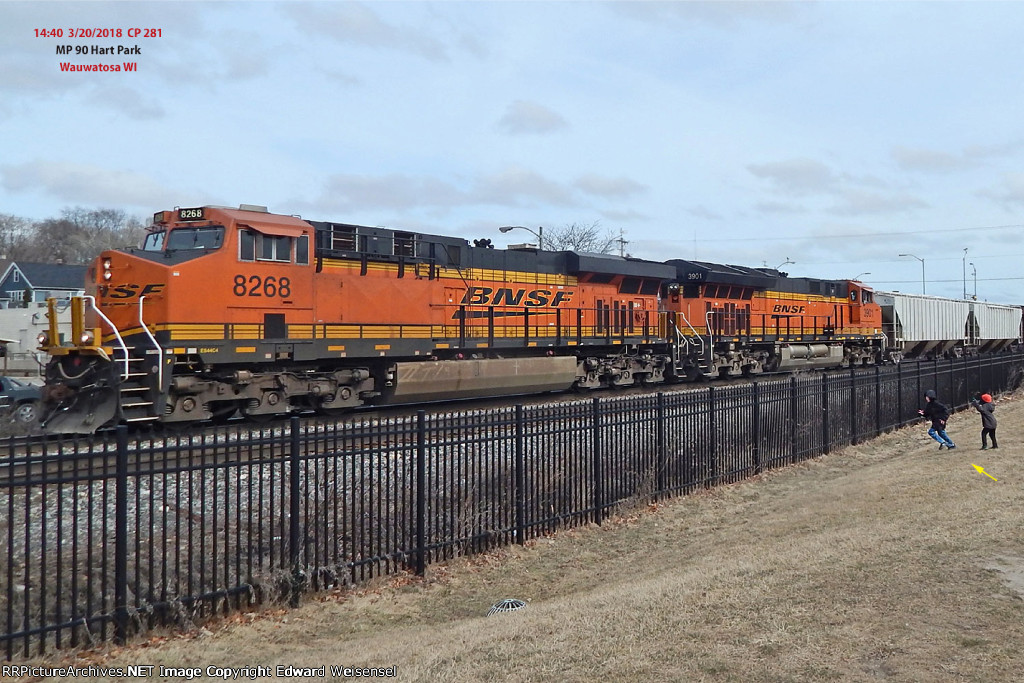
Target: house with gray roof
[(38, 282)]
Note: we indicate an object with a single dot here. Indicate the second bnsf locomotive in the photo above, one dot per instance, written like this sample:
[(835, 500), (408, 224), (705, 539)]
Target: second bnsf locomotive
[(225, 311)]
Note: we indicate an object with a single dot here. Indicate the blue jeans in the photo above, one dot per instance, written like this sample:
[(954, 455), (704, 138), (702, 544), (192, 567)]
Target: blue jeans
[(940, 436)]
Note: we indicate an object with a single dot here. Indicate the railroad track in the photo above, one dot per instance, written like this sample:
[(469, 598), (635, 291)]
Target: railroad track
[(36, 458)]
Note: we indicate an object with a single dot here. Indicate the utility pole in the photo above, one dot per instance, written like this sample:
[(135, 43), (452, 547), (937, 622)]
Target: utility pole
[(622, 243)]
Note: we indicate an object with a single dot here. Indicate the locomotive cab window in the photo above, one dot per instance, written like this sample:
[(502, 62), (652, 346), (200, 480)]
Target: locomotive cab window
[(275, 248), (246, 245), (196, 238), (254, 246)]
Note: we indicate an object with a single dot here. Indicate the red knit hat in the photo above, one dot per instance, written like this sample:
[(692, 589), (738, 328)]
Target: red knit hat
[(987, 398)]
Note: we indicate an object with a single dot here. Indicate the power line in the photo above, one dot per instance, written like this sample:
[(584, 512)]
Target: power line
[(930, 231), (958, 280)]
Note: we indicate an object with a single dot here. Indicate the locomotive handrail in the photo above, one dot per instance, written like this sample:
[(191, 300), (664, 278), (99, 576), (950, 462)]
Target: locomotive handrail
[(159, 349), (124, 347), (711, 337), (682, 337)]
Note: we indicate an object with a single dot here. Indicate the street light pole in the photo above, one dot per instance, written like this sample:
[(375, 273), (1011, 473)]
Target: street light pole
[(539, 233), (857, 279), (965, 272), (923, 290), (974, 273)]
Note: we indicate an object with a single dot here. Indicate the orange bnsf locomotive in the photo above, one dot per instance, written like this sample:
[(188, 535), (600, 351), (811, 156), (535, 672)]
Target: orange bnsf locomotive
[(225, 311)]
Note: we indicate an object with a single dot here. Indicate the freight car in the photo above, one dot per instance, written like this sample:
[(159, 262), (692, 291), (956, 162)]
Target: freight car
[(239, 310), (922, 326)]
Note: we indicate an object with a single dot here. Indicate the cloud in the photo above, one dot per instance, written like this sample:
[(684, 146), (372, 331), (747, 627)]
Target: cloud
[(797, 176), (530, 118), (932, 161), (511, 186), (23, 74), (350, 192), (602, 186), (70, 182), (859, 203), (627, 217), (342, 78), (928, 160), (128, 101), (808, 179), (241, 62), (1011, 193), (358, 24), (779, 208), (1001, 150), (720, 14), (516, 186)]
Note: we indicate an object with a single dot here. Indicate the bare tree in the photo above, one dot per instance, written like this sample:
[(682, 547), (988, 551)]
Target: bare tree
[(79, 235), (579, 237), (15, 235)]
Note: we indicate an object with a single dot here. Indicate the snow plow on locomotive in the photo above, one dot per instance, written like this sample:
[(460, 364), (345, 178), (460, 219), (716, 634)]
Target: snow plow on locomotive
[(225, 311)]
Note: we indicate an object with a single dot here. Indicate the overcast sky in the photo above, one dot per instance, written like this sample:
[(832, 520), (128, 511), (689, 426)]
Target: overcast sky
[(834, 134)]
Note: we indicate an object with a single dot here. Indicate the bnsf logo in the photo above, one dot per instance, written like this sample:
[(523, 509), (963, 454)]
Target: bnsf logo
[(788, 308), (487, 296), (129, 291)]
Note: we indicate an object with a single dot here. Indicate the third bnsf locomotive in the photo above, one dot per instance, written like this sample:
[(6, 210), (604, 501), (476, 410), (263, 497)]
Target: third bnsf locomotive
[(225, 311)]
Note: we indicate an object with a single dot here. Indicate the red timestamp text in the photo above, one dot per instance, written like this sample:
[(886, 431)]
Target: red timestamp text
[(99, 33)]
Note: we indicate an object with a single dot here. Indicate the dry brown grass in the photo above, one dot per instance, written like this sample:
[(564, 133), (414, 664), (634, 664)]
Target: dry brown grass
[(890, 560)]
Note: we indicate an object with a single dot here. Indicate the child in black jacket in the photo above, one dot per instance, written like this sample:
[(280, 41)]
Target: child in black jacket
[(938, 414)]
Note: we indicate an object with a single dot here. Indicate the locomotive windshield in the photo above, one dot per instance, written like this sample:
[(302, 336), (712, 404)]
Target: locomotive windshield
[(154, 241), (196, 238)]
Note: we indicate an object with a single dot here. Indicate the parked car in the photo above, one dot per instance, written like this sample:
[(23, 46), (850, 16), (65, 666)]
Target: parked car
[(19, 399)]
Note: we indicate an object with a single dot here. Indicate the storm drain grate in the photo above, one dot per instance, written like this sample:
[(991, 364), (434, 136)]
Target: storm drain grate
[(509, 605)]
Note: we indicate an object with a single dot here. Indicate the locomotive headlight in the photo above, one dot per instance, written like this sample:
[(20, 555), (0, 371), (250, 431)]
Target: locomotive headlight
[(87, 337), (43, 338), (106, 269)]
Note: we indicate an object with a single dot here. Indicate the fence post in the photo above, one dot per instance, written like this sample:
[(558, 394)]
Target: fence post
[(899, 395), (853, 406), (919, 394), (792, 420), (598, 470), (520, 483), (421, 494), (712, 441), (756, 427), (121, 538), (955, 400), (660, 445), (878, 401), (294, 498), (825, 446)]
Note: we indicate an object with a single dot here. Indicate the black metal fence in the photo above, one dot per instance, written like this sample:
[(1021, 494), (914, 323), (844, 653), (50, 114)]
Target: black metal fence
[(111, 535)]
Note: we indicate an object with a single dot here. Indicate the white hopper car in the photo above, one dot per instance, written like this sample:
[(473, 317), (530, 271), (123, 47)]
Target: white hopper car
[(922, 326)]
